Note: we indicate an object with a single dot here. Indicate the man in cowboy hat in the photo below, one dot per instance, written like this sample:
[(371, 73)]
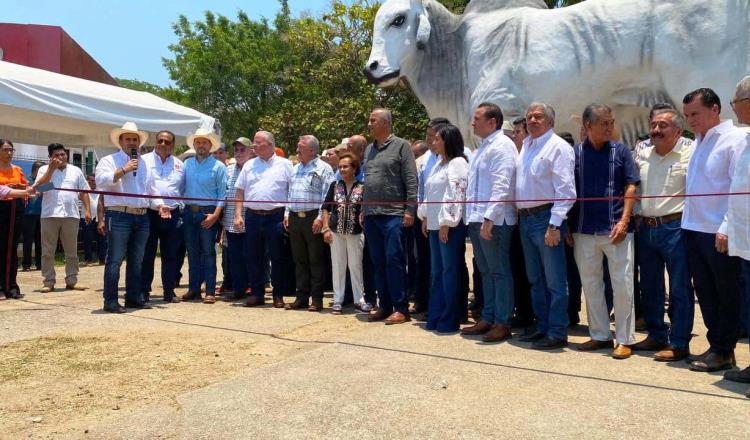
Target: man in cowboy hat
[(126, 222), (206, 178)]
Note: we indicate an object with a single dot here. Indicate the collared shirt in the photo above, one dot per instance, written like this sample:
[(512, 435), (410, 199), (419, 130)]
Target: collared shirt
[(663, 176), (391, 175), (167, 178), (129, 184), (265, 183), (545, 171), (492, 181), (63, 204), (447, 184), (233, 172), (710, 172), (601, 173), (205, 180), (738, 213), (642, 145), (309, 185)]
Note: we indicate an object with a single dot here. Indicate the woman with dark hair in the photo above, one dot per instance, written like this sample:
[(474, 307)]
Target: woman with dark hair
[(12, 194), (442, 213)]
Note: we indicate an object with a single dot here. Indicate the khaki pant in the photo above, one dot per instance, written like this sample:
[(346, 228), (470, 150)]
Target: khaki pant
[(65, 229)]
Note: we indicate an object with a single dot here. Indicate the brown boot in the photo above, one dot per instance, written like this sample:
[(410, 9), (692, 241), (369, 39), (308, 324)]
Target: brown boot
[(479, 328), (497, 334)]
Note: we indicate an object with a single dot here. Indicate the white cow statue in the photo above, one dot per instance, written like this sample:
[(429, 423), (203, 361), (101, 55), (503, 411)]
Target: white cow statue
[(628, 54)]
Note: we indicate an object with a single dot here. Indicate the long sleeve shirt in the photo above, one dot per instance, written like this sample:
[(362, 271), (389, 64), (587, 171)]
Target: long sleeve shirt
[(205, 180), (709, 172), (167, 178), (545, 171), (738, 214), (491, 184), (309, 185), (447, 184), (129, 184), (265, 182), (391, 176)]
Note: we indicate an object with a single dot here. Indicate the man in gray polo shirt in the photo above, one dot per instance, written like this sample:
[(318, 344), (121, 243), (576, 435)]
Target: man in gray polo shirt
[(391, 176)]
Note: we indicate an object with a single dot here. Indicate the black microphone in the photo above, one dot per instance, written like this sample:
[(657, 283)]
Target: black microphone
[(134, 155)]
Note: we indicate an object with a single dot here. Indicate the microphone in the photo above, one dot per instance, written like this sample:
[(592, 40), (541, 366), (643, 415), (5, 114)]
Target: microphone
[(134, 155)]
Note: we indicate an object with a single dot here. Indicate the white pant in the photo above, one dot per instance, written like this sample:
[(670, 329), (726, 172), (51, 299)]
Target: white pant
[(347, 248), (589, 253)]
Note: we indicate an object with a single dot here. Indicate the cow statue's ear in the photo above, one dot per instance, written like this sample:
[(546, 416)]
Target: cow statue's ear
[(423, 30)]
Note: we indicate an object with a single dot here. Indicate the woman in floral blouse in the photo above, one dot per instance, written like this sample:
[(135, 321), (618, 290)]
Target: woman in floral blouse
[(342, 230), (442, 213)]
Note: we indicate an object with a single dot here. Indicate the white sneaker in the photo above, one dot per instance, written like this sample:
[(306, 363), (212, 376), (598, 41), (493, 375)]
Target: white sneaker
[(336, 309)]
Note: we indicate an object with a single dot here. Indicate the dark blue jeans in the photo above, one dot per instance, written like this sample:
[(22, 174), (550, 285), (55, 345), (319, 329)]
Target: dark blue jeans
[(127, 235), (385, 237), (238, 262), (168, 235), (493, 260), (545, 267), (262, 231), (444, 313), (660, 247), (201, 250), (716, 279)]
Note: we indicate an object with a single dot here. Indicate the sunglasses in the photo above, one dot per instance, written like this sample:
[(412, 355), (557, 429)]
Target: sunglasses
[(163, 142)]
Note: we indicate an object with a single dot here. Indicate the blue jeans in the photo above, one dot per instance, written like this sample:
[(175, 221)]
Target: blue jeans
[(201, 250), (716, 279), (663, 246), (126, 235), (545, 267), (238, 262), (493, 260), (262, 231), (444, 312), (385, 237), (167, 235)]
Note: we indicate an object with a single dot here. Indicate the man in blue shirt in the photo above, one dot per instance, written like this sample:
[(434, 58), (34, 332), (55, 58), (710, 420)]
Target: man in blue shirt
[(606, 169), (205, 178)]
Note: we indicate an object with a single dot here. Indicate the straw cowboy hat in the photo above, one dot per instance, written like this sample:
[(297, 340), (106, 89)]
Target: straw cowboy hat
[(128, 127), (205, 134)]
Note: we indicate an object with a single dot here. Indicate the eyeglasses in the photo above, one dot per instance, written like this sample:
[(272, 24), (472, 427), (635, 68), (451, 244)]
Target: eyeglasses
[(164, 142), (734, 102)]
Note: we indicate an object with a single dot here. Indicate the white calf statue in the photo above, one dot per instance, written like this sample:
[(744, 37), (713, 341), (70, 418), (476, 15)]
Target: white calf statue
[(628, 54)]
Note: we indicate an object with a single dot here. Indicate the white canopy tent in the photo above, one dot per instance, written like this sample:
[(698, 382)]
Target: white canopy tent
[(40, 107)]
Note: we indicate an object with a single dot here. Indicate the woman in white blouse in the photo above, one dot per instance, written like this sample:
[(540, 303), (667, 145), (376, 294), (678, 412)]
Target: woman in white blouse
[(442, 212)]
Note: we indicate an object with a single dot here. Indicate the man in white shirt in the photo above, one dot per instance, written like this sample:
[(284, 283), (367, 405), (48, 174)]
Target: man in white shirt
[(545, 171), (491, 224), (126, 222), (738, 213), (716, 275), (263, 188), (60, 216), (166, 174)]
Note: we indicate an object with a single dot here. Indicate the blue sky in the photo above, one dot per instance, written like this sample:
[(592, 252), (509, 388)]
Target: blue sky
[(129, 37)]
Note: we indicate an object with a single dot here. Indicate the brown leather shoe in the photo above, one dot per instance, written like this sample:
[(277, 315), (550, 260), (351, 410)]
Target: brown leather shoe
[(255, 301), (671, 354), (714, 362), (278, 302), (75, 286), (397, 318), (649, 344), (316, 305), (479, 328), (297, 304), (593, 344), (191, 296), (621, 352), (380, 315), (497, 334)]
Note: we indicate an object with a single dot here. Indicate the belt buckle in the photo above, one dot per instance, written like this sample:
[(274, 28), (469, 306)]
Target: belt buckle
[(195, 208), (301, 214), (651, 222)]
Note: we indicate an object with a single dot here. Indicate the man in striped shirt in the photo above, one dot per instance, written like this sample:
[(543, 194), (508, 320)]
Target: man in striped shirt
[(234, 237)]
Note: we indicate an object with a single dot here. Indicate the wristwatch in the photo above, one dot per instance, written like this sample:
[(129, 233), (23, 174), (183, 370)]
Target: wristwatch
[(553, 228)]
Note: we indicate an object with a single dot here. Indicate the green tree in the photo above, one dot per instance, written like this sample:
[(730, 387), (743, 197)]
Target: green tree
[(169, 93)]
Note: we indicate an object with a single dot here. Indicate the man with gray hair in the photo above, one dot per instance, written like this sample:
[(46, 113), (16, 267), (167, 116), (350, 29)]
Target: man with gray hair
[(605, 170), (663, 172), (544, 171), (308, 187)]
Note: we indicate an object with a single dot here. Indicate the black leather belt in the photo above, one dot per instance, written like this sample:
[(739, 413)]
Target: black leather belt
[(200, 208), (527, 212), (653, 222), (304, 214), (265, 211)]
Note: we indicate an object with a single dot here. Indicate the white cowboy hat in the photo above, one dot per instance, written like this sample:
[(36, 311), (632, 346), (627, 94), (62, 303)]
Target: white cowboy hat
[(128, 127), (205, 134)]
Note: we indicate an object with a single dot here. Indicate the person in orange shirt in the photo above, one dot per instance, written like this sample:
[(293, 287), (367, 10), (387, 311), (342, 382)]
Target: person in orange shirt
[(13, 193)]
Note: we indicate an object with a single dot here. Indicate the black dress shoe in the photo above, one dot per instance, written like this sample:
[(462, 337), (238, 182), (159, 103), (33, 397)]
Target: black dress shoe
[(549, 343), (171, 298), (137, 305), (532, 336), (298, 304), (114, 308), (741, 376), (191, 296), (714, 362), (14, 294)]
